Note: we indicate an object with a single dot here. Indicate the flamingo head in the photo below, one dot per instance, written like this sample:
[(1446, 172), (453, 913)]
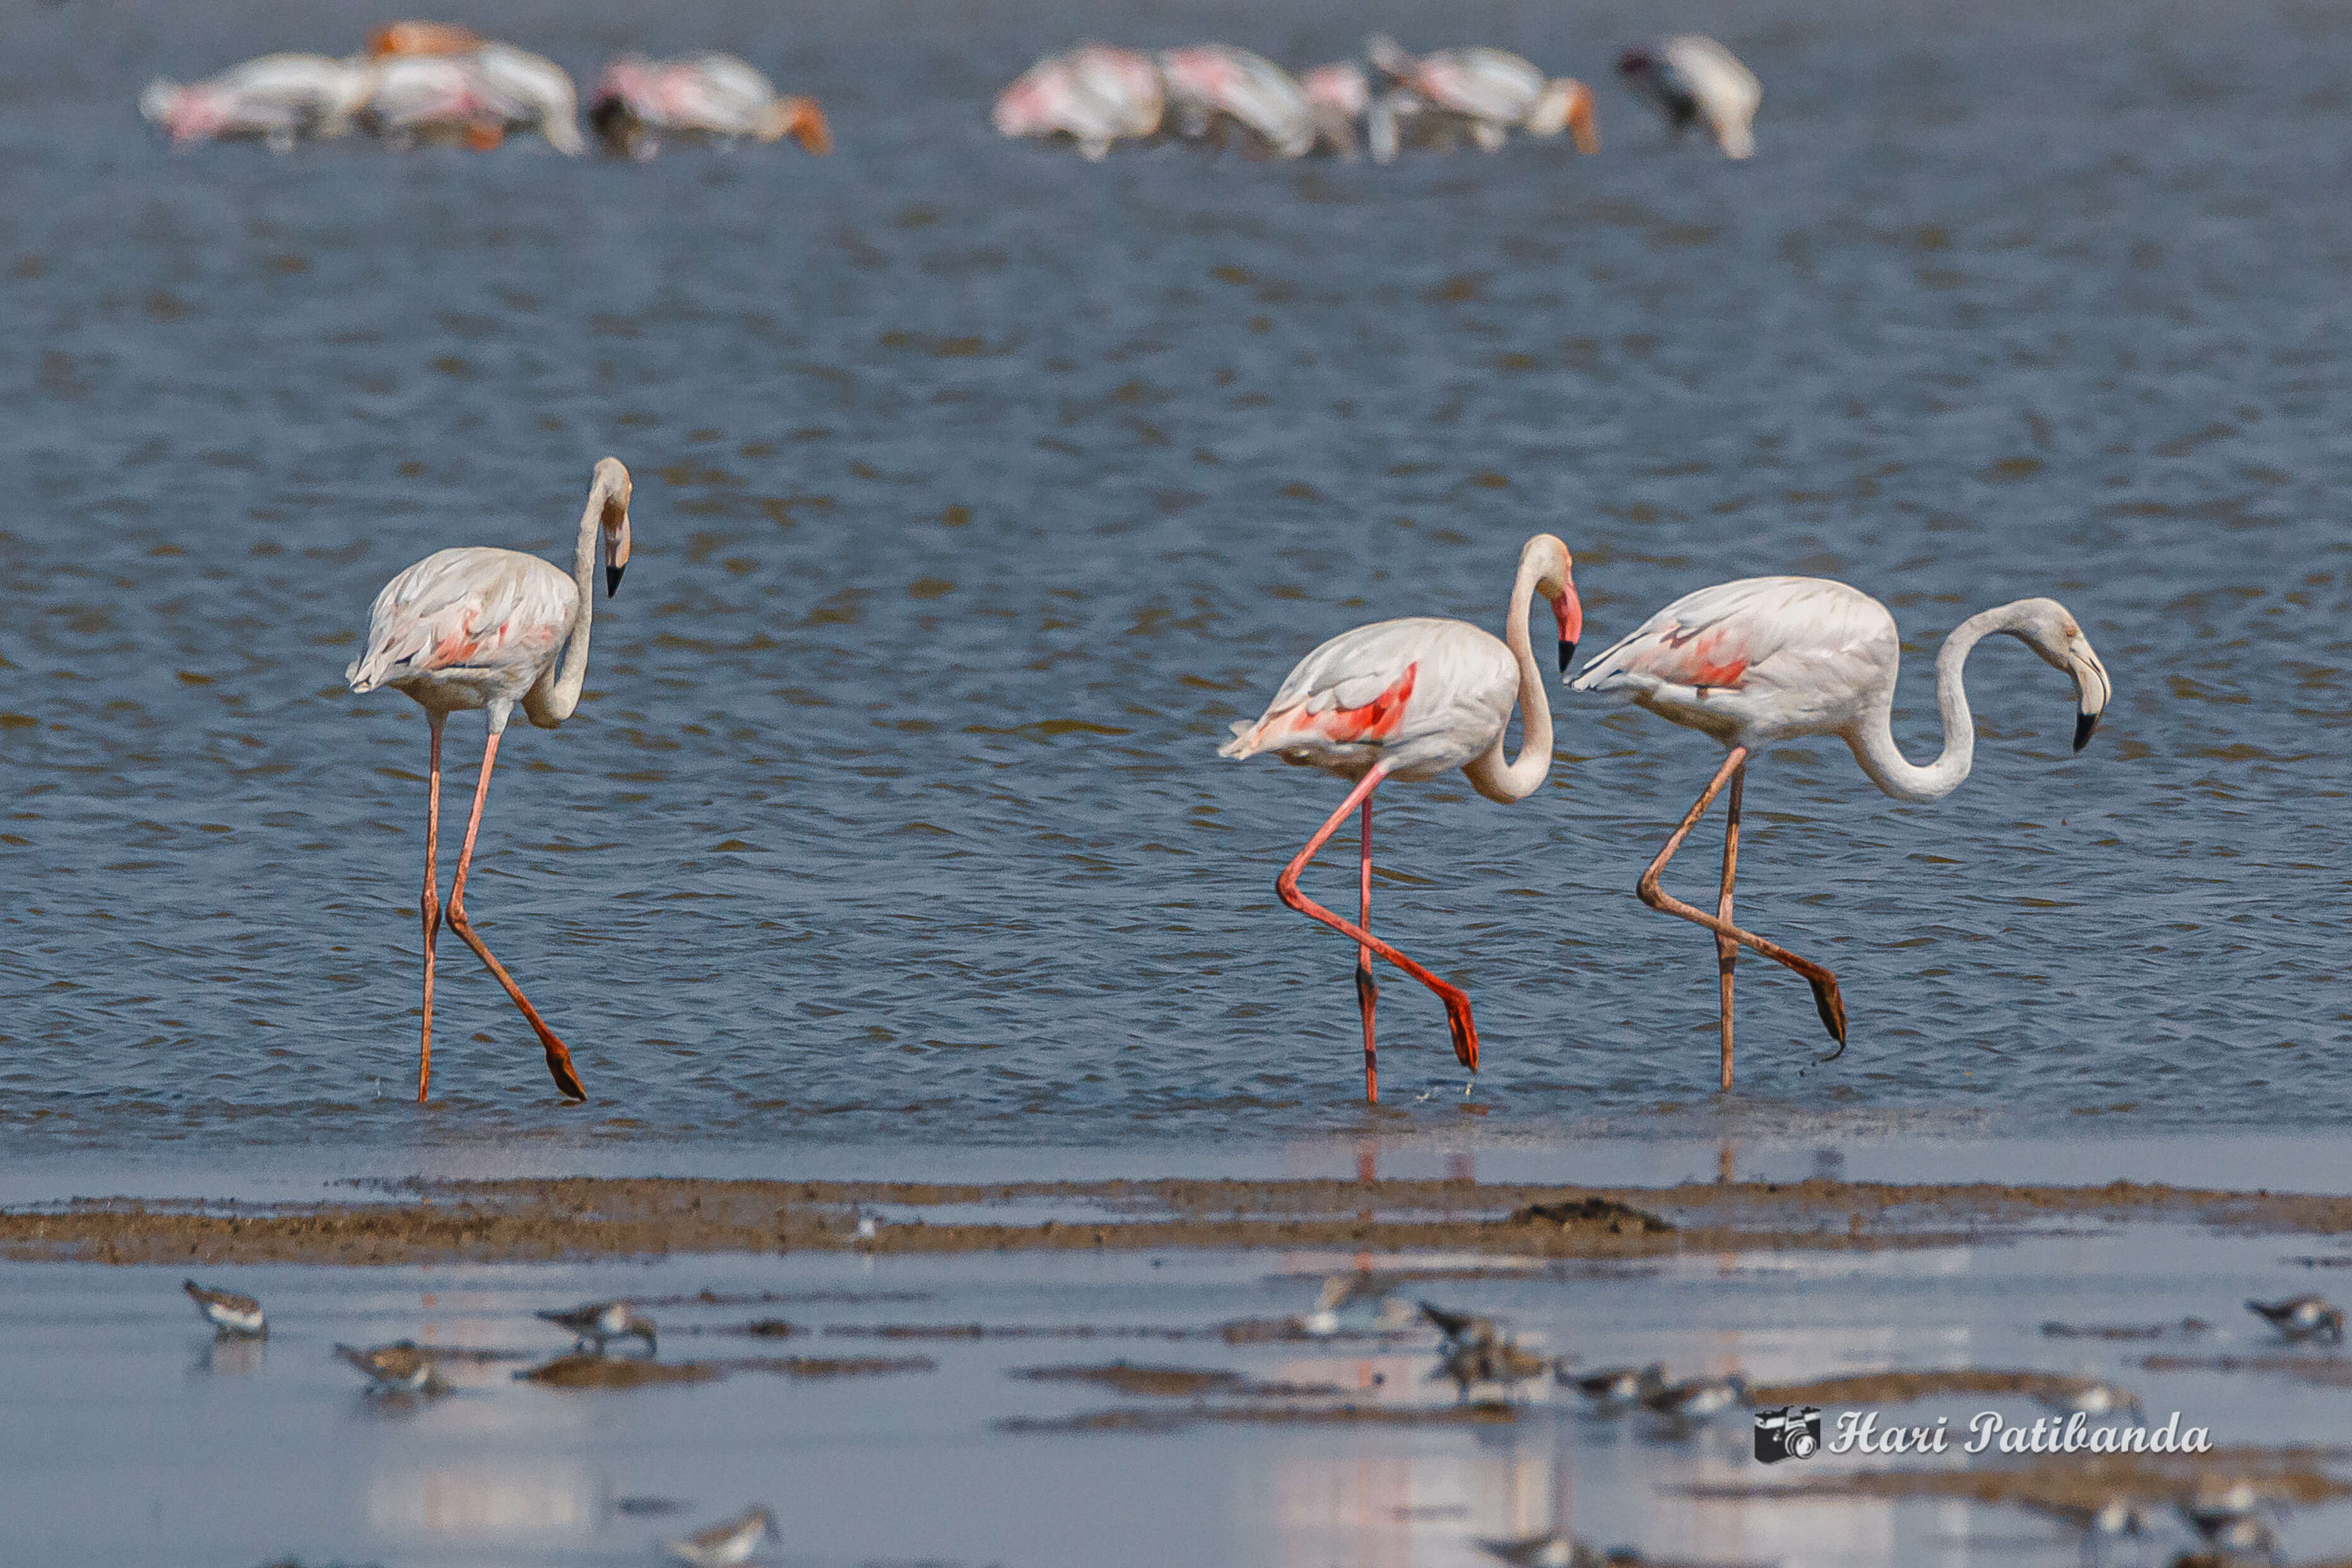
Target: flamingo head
[(1554, 569), (608, 498), (1566, 105), (2051, 631)]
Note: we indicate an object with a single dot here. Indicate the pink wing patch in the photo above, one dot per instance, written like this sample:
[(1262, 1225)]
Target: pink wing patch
[(1710, 658), (1376, 720)]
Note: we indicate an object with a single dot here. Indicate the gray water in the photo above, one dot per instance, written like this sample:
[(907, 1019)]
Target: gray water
[(979, 488), (161, 1443)]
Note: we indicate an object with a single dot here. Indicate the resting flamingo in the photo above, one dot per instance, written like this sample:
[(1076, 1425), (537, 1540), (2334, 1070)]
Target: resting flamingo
[(1770, 659), (1412, 699), (484, 628)]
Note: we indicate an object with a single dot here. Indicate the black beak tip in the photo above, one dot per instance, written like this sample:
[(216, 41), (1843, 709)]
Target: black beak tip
[(2084, 723), (613, 579), (1567, 656)]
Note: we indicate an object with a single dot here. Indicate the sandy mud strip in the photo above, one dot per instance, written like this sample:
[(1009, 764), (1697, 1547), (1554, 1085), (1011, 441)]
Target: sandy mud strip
[(582, 1371), (2055, 1483), (585, 1219)]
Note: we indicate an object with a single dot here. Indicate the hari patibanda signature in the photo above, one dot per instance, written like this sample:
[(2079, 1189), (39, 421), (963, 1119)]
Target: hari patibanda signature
[(1858, 1432)]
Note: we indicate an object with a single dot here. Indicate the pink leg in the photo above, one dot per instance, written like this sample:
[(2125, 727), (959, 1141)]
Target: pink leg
[(1726, 951), (1367, 990), (1458, 1005), (559, 1060), (431, 905), (1826, 999)]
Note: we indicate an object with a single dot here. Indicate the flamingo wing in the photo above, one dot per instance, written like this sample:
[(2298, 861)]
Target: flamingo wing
[(1726, 635), (475, 609), (1395, 685)]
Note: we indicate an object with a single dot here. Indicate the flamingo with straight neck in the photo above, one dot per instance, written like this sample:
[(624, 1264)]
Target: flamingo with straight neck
[(485, 628), (1413, 699), (1770, 659)]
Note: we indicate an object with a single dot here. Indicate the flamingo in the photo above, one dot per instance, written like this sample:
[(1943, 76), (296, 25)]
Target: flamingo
[(1770, 659), (638, 101), (1692, 79), (1489, 90), (1094, 94), (1210, 84), (483, 628), (278, 99), (1412, 699)]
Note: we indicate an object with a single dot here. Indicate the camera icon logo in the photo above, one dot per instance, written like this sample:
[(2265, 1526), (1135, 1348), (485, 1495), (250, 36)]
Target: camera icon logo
[(1789, 1432)]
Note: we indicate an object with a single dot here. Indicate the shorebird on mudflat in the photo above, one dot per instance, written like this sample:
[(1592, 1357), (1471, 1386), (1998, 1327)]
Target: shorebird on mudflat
[(600, 1321), (1492, 1363), (2302, 1318), (726, 1543), (1615, 1388), (404, 1367), (2092, 1398), (1360, 1301), (1697, 1399), (1459, 1328), (228, 1312), (2230, 1519), (1544, 1552)]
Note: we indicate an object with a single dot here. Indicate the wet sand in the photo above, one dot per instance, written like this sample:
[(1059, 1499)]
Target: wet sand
[(420, 1222)]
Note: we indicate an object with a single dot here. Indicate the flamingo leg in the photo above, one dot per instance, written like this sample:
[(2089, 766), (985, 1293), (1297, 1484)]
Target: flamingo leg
[(431, 904), (1826, 999), (559, 1060), (1367, 990), (1726, 951), (1457, 1004)]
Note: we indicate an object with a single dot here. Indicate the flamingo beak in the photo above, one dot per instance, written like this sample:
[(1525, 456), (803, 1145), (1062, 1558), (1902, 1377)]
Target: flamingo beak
[(1570, 611), (616, 541), (2091, 689)]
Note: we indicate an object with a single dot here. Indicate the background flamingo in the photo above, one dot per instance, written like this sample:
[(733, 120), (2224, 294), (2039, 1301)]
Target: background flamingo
[(483, 628), (1412, 699), (1769, 659), (1693, 80)]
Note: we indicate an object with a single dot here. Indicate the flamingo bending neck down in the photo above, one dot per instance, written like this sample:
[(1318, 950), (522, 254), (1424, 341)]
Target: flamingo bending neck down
[(480, 628), (1770, 659), (1413, 699)]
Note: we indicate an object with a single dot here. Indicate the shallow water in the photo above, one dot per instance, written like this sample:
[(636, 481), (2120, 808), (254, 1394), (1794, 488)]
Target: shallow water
[(979, 488), (157, 1438)]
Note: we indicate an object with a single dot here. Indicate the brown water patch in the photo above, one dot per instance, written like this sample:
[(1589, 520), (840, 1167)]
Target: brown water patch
[(2289, 1475), (2327, 1372), (1175, 1382), (588, 1218), (2187, 1328), (1902, 1387), (607, 1372)]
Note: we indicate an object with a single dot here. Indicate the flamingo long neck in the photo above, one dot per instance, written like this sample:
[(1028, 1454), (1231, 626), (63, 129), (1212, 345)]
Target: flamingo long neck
[(563, 695), (1488, 772), (1874, 739)]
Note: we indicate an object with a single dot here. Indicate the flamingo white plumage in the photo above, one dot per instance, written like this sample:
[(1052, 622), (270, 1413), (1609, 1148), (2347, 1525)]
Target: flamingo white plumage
[(482, 628), (1693, 80), (1770, 659), (1413, 699)]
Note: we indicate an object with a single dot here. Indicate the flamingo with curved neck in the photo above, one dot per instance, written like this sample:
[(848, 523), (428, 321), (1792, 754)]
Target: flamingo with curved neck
[(484, 628), (1413, 699), (1770, 659)]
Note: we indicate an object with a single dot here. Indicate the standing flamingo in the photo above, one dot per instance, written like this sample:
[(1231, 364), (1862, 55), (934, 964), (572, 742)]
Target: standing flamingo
[(484, 628), (1412, 699), (1770, 659)]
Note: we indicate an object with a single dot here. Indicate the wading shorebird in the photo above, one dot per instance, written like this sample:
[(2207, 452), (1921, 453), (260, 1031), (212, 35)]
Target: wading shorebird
[(1699, 1399), (485, 628), (1770, 659), (1693, 80), (2302, 1318), (401, 1368), (600, 1321), (1413, 699), (2089, 1396), (1615, 1388), (228, 1312), (726, 1543)]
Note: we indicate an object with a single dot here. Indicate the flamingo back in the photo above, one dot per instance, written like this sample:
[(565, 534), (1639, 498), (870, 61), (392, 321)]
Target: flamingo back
[(1423, 695), (1760, 659), (490, 619)]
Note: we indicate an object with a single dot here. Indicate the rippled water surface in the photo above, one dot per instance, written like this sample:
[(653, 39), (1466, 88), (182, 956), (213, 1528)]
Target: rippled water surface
[(979, 488)]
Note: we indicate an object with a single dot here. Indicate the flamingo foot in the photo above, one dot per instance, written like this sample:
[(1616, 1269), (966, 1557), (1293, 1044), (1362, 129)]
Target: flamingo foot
[(1831, 1007), (559, 1067), (1465, 1033)]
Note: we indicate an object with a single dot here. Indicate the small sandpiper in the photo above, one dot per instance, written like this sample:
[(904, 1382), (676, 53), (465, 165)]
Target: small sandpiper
[(1544, 1552), (1358, 1300), (726, 1543), (405, 1367), (2231, 1519), (601, 1321), (228, 1312), (2302, 1318), (1494, 1363), (2092, 1398), (1459, 1328), (1697, 1399), (1615, 1388)]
